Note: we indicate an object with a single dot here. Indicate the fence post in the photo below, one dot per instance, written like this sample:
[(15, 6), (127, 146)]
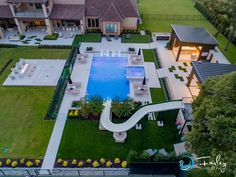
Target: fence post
[(3, 173)]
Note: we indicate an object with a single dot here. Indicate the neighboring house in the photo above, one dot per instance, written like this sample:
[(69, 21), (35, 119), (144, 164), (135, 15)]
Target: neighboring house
[(110, 16)]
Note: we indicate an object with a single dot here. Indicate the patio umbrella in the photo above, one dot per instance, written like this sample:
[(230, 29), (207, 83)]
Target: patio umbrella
[(139, 52), (70, 81), (144, 80)]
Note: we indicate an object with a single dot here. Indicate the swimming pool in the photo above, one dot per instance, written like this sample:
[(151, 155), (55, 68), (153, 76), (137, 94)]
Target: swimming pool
[(133, 72), (108, 77)]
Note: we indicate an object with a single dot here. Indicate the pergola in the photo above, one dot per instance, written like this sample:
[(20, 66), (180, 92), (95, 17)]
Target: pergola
[(191, 43), (205, 70)]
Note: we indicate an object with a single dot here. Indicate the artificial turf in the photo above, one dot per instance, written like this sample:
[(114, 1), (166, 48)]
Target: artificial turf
[(23, 132)]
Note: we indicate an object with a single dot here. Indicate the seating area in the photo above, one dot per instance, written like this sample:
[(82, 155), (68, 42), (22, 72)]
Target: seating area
[(140, 89), (82, 58), (136, 59)]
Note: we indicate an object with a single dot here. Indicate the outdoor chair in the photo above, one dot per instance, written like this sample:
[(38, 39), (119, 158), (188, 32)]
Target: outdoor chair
[(108, 38), (76, 84)]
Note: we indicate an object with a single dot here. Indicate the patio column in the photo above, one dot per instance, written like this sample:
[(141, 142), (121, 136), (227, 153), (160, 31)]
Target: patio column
[(44, 10), (190, 78), (19, 27), (82, 28), (1, 33), (180, 48), (49, 26), (12, 10)]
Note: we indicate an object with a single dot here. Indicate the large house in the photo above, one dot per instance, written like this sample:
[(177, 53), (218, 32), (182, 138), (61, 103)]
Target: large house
[(110, 16)]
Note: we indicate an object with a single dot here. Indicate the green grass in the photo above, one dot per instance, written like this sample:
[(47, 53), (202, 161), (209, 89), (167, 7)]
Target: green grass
[(202, 173), (149, 55), (83, 139), (136, 38), (158, 95), (23, 131), (90, 37), (178, 7)]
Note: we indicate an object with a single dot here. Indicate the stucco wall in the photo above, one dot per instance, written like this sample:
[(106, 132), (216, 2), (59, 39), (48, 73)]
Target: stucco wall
[(130, 23), (69, 1)]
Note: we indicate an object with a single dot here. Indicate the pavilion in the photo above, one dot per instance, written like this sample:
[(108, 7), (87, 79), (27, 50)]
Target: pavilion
[(191, 43)]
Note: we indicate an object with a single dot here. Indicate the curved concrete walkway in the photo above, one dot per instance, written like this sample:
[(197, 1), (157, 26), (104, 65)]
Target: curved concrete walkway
[(137, 116)]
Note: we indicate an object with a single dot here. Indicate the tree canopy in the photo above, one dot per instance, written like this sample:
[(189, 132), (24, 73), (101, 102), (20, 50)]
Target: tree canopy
[(214, 124)]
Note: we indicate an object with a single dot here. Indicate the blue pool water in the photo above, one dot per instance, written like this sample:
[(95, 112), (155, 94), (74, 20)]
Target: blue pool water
[(135, 71), (108, 77)]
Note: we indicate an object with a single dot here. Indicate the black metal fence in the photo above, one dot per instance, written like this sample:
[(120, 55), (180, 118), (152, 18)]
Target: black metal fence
[(184, 17), (61, 86)]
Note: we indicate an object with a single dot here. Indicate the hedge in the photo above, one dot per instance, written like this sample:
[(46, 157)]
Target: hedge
[(55, 46)]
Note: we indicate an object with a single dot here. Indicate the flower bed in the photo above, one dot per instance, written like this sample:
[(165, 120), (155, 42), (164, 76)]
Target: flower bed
[(89, 163), (26, 163), (53, 36)]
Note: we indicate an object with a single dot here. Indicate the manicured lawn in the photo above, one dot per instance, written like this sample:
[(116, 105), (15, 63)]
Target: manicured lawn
[(83, 139), (90, 37), (178, 7), (23, 131), (136, 38), (202, 173), (149, 55), (158, 95)]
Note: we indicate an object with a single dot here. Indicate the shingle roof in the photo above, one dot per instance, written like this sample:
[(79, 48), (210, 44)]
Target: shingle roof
[(97, 7), (27, 1), (67, 12), (5, 12), (112, 12), (194, 35), (204, 70)]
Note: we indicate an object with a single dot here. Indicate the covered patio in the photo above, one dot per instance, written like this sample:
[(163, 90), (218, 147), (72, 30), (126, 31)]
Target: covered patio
[(201, 71), (191, 43)]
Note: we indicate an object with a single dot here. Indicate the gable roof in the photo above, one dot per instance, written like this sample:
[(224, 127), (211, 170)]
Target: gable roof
[(5, 12), (67, 12), (195, 35), (205, 70), (112, 12), (124, 8)]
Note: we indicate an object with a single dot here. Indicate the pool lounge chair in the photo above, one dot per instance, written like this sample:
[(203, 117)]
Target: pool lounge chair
[(76, 84)]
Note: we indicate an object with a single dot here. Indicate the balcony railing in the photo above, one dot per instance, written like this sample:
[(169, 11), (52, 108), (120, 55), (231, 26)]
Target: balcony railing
[(31, 14)]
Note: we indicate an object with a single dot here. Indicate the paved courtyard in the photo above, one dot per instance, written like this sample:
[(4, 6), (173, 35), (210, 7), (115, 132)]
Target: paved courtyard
[(35, 73)]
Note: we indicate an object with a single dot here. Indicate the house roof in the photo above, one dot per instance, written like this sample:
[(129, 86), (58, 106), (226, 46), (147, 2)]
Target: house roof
[(112, 12), (194, 35), (27, 1), (67, 12), (205, 70), (5, 12), (126, 8)]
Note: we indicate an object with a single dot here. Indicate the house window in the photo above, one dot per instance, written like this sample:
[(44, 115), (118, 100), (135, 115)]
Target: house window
[(93, 23), (38, 6), (111, 28)]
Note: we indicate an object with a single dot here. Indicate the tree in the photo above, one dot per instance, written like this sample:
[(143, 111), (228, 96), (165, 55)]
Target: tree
[(214, 124), (232, 32)]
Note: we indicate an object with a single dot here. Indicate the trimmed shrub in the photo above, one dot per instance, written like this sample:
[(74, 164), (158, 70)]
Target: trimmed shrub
[(8, 45), (88, 161), (59, 161), (102, 161), (22, 161), (81, 164), (108, 164), (117, 161), (95, 164), (8, 161), (14, 164), (53, 36), (55, 47), (74, 162), (132, 156), (65, 163), (124, 164), (37, 162), (21, 36), (29, 164), (0, 163)]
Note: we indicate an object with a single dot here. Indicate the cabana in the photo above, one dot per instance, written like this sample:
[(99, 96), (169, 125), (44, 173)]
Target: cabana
[(191, 43)]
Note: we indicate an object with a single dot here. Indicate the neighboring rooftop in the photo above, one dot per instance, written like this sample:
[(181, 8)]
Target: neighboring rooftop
[(67, 12), (194, 35), (205, 70)]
